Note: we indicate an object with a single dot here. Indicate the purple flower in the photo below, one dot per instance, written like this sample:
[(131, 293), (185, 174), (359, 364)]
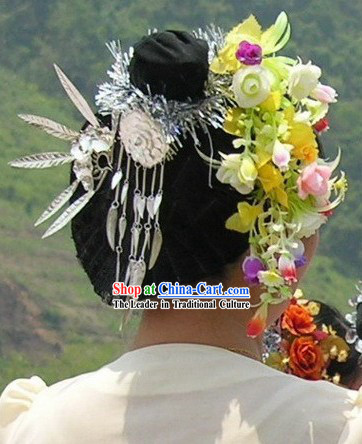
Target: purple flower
[(300, 261), (249, 54), (251, 267)]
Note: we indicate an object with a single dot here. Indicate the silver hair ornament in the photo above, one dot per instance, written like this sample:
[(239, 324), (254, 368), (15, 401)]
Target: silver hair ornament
[(150, 130), (86, 146)]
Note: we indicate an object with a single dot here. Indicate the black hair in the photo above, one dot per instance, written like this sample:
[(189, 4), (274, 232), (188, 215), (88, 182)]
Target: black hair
[(196, 244), (330, 316)]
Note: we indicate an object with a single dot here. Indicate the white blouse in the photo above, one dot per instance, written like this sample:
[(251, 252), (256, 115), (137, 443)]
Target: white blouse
[(180, 393)]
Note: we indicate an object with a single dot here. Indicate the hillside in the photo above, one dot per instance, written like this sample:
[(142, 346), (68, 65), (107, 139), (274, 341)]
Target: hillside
[(48, 313)]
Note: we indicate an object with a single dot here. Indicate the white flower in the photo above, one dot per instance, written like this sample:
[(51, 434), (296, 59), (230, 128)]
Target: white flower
[(143, 139), (251, 86), (238, 171), (309, 223), (303, 80), (281, 155), (317, 109)]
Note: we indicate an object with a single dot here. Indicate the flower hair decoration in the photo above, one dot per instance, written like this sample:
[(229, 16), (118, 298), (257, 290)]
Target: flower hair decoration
[(298, 347), (278, 107), (273, 105)]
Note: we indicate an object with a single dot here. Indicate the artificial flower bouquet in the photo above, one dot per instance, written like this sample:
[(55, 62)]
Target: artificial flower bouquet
[(305, 350), (277, 107)]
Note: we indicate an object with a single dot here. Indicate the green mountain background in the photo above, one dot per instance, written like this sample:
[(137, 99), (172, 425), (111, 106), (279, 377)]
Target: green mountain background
[(51, 324)]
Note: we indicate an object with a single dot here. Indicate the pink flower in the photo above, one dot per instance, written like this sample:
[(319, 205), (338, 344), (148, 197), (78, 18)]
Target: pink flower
[(319, 335), (313, 180), (322, 125), (325, 94), (287, 269), (249, 54)]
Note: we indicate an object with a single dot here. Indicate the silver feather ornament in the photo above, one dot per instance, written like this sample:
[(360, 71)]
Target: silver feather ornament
[(69, 213), (49, 126), (111, 225), (122, 225), (76, 97), (124, 192), (141, 204), (150, 206), (138, 272), (57, 203), (156, 248), (157, 203), (116, 179), (42, 160)]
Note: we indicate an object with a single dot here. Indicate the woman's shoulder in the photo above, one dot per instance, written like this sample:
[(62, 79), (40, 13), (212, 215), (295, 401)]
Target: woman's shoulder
[(183, 382), (31, 408)]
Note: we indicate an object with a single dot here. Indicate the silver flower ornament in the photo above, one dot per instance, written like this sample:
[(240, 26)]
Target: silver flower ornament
[(143, 139)]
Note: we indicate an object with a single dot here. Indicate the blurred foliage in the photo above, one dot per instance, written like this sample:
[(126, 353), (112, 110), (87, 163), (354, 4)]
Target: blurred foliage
[(34, 34)]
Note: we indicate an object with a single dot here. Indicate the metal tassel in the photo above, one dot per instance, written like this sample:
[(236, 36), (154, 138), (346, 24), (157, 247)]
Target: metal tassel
[(135, 239), (116, 179), (141, 204), (122, 225), (138, 273), (156, 248), (124, 191), (150, 206), (157, 202), (111, 225)]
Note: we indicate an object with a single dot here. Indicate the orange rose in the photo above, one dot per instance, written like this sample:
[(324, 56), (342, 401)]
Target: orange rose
[(298, 320), (306, 358)]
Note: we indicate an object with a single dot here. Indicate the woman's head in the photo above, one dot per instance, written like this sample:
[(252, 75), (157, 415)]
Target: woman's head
[(196, 245)]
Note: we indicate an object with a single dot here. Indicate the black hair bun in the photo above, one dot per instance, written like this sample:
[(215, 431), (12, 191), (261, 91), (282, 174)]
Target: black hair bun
[(173, 63)]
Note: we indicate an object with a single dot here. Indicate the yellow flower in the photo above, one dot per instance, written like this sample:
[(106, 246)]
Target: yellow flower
[(336, 378), (276, 360), (335, 347), (298, 294), (304, 141), (234, 122), (270, 278), (270, 177), (244, 220), (263, 156), (247, 172), (281, 197), (313, 308), (302, 137), (273, 102), (271, 41)]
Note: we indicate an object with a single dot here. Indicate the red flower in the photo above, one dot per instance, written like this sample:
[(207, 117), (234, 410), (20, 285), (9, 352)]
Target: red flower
[(298, 320), (255, 327), (322, 125), (306, 358), (328, 213)]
